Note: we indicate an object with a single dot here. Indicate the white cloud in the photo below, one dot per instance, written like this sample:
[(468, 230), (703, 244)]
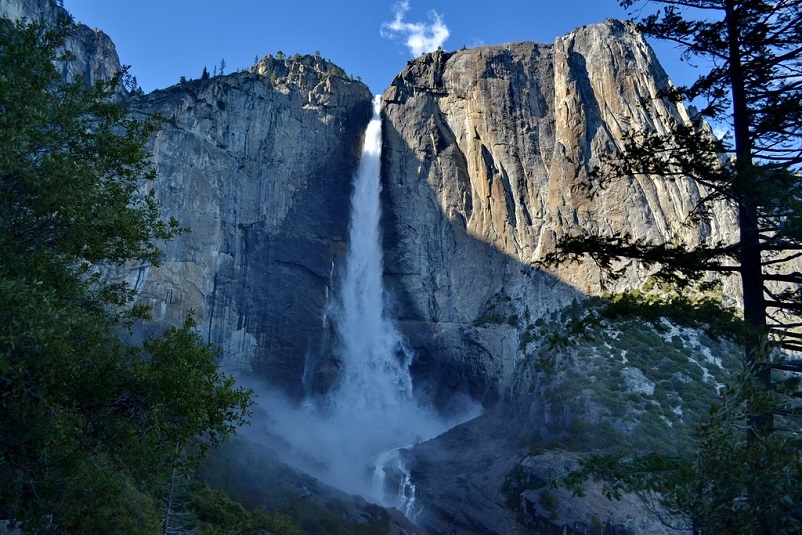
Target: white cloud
[(419, 37)]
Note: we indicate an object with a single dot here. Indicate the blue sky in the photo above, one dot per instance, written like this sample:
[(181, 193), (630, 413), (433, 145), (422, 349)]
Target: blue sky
[(163, 40)]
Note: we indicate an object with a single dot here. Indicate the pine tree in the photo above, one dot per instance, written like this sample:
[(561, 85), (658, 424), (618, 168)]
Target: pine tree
[(89, 422), (746, 475), (754, 86)]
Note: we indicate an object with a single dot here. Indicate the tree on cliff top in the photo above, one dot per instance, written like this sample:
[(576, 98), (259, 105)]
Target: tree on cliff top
[(90, 426)]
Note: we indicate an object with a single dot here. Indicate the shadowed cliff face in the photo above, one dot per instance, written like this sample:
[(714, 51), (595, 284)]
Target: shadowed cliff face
[(258, 165), (487, 152)]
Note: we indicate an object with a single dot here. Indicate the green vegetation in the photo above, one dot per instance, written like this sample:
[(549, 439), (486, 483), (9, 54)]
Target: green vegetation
[(213, 512), (489, 319), (731, 484), (550, 502), (94, 429), (254, 478), (518, 480), (646, 383), (496, 311), (746, 473)]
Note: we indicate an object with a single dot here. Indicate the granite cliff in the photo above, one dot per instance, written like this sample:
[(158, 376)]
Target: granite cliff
[(258, 165), (486, 152), (95, 57), (487, 155)]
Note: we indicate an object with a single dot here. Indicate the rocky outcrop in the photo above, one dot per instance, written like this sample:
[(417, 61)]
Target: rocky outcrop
[(488, 153), (483, 477), (95, 57)]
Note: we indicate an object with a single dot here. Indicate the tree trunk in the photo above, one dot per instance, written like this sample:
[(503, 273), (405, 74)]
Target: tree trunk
[(750, 252)]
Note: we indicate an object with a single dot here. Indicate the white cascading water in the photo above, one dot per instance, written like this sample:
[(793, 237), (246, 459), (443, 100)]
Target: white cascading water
[(376, 380), (353, 442)]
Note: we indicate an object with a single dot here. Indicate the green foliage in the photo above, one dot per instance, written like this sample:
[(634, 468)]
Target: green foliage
[(736, 482), (747, 483), (550, 502), (526, 337), (69, 177), (489, 319), (518, 480), (496, 312), (185, 396), (704, 311), (647, 381), (215, 512), (91, 426)]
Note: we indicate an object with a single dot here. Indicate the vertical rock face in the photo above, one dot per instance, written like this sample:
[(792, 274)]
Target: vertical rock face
[(487, 155), (258, 165)]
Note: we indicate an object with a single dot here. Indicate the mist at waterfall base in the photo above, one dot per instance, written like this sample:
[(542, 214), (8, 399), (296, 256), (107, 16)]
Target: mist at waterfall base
[(350, 439)]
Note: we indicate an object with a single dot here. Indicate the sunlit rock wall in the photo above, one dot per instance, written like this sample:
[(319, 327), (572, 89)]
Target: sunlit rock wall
[(487, 155)]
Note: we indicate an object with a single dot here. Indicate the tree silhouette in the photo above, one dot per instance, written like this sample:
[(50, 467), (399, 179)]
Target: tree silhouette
[(754, 86), (746, 476)]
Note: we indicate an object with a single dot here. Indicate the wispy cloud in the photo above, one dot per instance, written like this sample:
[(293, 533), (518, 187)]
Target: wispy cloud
[(419, 37)]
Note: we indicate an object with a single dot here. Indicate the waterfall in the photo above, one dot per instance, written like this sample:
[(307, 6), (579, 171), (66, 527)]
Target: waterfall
[(389, 464), (373, 402), (353, 439), (376, 382)]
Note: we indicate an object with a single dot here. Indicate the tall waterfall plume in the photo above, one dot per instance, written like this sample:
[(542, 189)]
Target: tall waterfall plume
[(376, 381), (372, 411)]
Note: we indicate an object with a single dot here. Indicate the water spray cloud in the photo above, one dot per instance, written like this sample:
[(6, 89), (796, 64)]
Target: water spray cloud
[(419, 37)]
